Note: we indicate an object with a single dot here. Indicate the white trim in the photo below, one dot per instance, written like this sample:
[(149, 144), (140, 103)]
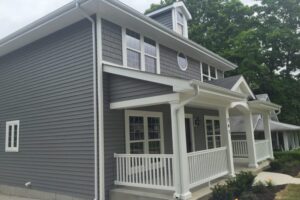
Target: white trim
[(186, 59), (146, 140), (172, 6), (190, 117), (243, 82), (101, 156), (141, 51), (147, 101), (212, 118), (12, 124), (208, 76), (179, 85)]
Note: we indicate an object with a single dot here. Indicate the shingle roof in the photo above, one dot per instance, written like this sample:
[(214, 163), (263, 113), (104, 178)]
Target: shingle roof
[(277, 126), (227, 83)]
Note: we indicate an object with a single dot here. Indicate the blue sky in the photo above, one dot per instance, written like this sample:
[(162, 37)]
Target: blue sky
[(14, 14)]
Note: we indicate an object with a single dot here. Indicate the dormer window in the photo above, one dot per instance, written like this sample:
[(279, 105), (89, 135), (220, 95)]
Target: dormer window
[(174, 16), (180, 23)]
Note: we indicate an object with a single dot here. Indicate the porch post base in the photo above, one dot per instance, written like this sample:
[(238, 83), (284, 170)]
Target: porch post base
[(251, 165), (232, 175), (185, 196)]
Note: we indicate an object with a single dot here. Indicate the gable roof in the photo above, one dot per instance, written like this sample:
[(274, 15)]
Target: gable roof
[(234, 83), (109, 9), (227, 83), (178, 4)]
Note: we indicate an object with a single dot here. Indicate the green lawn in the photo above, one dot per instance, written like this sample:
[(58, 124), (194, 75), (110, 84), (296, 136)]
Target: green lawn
[(291, 192)]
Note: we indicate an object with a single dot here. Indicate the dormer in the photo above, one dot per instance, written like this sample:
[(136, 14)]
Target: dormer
[(174, 16)]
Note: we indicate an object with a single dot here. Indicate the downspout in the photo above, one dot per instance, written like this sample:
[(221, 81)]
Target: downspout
[(96, 109)]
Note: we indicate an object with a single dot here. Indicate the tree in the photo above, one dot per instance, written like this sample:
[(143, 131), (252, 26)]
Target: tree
[(261, 40)]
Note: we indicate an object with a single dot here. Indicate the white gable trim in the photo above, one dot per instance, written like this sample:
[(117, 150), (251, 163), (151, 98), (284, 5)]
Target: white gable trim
[(243, 82), (173, 6)]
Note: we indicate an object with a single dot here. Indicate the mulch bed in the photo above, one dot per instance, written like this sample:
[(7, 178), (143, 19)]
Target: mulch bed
[(270, 193)]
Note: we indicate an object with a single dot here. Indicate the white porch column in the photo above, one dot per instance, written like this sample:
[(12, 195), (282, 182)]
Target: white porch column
[(226, 137), (297, 140), (285, 141), (250, 140), (277, 140), (181, 167), (268, 134)]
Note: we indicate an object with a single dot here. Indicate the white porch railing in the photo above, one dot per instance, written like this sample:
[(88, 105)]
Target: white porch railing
[(145, 170), (262, 150), (240, 148), (207, 165)]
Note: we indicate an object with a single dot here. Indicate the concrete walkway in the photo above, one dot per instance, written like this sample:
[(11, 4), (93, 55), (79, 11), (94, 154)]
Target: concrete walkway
[(6, 197), (276, 178)]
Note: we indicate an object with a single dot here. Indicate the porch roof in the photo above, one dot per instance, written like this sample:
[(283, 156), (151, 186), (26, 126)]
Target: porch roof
[(277, 126), (179, 85)]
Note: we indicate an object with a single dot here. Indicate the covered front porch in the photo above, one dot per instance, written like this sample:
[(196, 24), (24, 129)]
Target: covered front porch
[(179, 141)]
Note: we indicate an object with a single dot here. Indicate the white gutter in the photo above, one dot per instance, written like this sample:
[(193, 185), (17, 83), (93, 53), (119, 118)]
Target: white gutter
[(96, 109)]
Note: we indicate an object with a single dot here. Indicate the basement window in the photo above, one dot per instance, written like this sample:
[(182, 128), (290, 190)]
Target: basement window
[(12, 136)]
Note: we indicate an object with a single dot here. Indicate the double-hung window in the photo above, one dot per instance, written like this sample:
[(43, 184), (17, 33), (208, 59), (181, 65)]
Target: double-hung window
[(208, 72), (212, 131), (12, 136), (141, 52), (180, 23), (144, 132), (150, 51), (133, 48)]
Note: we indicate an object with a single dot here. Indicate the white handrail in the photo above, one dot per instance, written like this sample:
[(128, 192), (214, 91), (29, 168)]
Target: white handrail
[(240, 148), (145, 170), (262, 150), (207, 165)]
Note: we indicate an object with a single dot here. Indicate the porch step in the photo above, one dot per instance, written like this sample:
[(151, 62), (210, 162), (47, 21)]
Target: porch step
[(139, 194)]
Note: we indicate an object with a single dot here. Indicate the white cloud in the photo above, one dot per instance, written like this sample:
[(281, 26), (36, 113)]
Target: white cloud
[(15, 14)]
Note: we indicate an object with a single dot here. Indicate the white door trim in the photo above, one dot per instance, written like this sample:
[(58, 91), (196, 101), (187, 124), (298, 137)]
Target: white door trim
[(213, 118), (144, 114)]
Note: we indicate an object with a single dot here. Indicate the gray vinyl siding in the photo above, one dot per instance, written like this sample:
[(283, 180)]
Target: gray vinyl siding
[(165, 19), (114, 131), (199, 132), (48, 86), (112, 42), (169, 65), (114, 136), (123, 88)]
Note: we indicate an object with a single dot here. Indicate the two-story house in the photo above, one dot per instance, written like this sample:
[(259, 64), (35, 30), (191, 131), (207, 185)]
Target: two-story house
[(98, 100)]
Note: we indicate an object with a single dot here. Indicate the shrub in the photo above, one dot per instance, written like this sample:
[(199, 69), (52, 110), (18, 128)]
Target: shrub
[(242, 182), (234, 187), (248, 196), (259, 187), (276, 165), (221, 192)]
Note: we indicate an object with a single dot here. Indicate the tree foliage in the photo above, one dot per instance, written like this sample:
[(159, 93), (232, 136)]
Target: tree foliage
[(263, 40)]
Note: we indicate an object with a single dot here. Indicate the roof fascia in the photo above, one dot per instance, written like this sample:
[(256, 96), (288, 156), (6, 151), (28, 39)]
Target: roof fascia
[(243, 81)]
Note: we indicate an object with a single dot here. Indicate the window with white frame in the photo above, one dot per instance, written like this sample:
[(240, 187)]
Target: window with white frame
[(144, 132), (12, 136), (180, 23), (208, 72), (212, 131), (141, 52)]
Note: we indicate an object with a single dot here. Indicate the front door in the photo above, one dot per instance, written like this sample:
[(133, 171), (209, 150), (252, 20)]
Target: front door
[(189, 133)]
